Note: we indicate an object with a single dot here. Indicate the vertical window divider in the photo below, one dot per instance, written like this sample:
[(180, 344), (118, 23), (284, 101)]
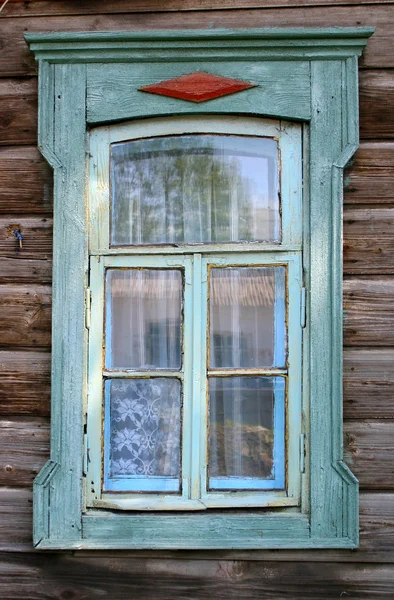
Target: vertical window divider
[(199, 421), (188, 381), (95, 390)]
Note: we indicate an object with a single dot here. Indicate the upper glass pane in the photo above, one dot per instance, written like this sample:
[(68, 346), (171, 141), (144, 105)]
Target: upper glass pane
[(194, 189), (247, 317), (143, 319)]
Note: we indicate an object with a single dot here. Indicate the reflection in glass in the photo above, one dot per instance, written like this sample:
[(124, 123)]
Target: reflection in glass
[(247, 317), (145, 428), (143, 319), (242, 430), (194, 188)]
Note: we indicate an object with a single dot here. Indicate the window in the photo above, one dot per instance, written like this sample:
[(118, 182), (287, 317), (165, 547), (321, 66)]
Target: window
[(196, 285), (196, 387)]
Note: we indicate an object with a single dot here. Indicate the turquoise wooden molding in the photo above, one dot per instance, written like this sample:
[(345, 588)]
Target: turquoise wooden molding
[(307, 75), (162, 46)]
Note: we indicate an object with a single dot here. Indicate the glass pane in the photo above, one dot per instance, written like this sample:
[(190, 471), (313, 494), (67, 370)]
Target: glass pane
[(246, 431), (145, 431), (195, 188), (143, 319), (247, 317)]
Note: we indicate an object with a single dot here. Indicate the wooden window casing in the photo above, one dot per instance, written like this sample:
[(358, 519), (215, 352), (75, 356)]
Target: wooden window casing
[(93, 79)]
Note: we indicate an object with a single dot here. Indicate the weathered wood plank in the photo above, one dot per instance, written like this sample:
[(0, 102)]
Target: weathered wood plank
[(371, 177), (16, 519), (20, 270), (25, 318), (18, 106), (368, 241), (18, 111), (35, 8), (368, 311), (16, 59), (60, 576), (24, 448), (376, 104), (368, 305), (25, 181), (25, 383), (369, 451), (376, 534), (377, 524), (33, 261), (36, 233), (368, 383)]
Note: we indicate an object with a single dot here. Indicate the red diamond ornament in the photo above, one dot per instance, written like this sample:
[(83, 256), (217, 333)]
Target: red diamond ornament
[(197, 87)]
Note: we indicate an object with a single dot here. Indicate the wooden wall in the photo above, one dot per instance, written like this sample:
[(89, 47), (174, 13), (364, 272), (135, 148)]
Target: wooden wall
[(25, 296)]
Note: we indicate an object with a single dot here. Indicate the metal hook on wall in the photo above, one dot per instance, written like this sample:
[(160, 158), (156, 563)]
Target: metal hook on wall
[(18, 236)]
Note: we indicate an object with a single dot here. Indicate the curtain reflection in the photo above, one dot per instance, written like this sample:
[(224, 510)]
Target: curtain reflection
[(143, 319), (200, 188), (247, 317)]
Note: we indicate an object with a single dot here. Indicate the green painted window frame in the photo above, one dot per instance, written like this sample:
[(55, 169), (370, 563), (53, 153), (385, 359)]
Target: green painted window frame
[(305, 75), (194, 495)]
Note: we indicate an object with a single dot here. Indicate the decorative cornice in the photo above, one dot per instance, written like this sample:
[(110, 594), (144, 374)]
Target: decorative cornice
[(211, 44)]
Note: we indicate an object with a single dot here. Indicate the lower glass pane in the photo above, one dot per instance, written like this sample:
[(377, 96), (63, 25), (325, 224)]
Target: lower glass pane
[(143, 434), (246, 441)]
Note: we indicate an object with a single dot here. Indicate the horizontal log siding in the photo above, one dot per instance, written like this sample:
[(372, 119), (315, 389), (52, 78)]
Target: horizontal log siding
[(376, 534), (26, 180), (368, 373), (15, 59), (36, 8), (78, 576), (25, 297), (24, 448)]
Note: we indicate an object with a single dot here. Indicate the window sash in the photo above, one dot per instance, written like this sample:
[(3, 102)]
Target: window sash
[(288, 135), (195, 494)]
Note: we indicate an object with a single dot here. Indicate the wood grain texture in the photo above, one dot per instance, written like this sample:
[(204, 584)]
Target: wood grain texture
[(370, 179), (18, 111), (376, 534), (113, 91), (368, 241), (18, 106), (16, 514), (24, 447), (34, 8), (368, 311), (16, 59), (62, 576), (330, 482), (25, 318), (368, 383), (369, 451), (376, 104), (65, 88), (24, 383), (20, 270), (36, 233), (25, 181)]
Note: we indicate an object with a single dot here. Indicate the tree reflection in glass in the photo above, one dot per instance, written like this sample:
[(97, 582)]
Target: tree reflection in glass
[(195, 188), (243, 431)]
